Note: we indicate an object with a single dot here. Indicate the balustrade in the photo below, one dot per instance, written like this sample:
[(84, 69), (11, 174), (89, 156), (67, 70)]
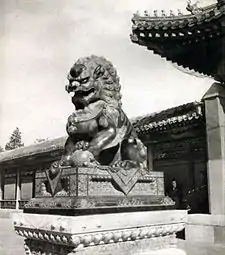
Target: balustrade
[(11, 204)]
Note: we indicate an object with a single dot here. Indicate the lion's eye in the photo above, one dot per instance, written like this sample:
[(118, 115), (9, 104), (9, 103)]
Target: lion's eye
[(85, 80)]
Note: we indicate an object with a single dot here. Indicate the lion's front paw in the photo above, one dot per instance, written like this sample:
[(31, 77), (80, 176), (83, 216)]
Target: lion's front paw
[(82, 145)]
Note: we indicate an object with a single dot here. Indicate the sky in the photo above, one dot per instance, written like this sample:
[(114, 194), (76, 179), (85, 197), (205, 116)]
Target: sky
[(40, 40)]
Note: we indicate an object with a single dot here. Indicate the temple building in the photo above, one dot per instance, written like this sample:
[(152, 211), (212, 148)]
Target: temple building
[(195, 41), (176, 142), (19, 167)]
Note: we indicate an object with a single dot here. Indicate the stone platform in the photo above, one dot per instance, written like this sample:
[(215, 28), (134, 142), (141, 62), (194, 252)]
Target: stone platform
[(94, 191), (147, 232)]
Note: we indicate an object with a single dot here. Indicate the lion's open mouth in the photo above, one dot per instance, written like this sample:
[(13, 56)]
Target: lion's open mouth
[(83, 97), (84, 94)]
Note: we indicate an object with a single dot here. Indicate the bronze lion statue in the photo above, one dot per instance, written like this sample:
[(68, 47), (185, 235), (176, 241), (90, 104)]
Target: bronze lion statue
[(99, 131)]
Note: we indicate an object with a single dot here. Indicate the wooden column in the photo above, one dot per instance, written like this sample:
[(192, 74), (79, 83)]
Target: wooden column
[(1, 186), (18, 188), (33, 183), (191, 168), (150, 156), (214, 101)]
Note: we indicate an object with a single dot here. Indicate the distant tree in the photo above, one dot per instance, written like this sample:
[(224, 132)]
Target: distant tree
[(1, 149), (40, 140), (15, 140)]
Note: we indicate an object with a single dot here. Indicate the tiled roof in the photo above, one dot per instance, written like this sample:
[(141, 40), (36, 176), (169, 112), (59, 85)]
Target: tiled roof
[(176, 116), (192, 41), (34, 149), (178, 23)]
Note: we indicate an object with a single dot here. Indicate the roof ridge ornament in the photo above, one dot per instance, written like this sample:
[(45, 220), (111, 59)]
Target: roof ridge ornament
[(163, 13), (193, 8), (155, 12), (136, 15), (146, 13), (179, 12), (172, 13)]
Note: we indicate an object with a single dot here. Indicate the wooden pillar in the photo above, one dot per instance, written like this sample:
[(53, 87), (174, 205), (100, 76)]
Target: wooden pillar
[(191, 166), (1, 186), (18, 188), (150, 156), (214, 101), (33, 183)]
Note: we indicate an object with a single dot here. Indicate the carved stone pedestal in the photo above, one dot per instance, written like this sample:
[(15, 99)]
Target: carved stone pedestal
[(148, 232)]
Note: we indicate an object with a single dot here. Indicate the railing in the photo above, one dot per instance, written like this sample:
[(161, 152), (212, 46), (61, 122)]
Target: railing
[(8, 204), (11, 204), (22, 203)]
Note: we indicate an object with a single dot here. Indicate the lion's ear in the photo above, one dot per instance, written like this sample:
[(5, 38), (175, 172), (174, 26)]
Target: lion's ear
[(98, 72)]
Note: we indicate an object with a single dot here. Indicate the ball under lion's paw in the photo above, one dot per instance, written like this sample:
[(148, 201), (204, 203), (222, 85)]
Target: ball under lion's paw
[(82, 158)]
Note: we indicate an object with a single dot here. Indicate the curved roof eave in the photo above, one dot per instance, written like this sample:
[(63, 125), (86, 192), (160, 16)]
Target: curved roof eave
[(32, 150)]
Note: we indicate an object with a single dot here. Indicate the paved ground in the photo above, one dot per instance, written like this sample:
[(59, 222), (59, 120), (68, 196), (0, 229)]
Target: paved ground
[(192, 248), (10, 242)]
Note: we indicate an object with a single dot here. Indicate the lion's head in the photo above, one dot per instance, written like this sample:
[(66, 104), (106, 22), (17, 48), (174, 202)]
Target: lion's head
[(91, 79)]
